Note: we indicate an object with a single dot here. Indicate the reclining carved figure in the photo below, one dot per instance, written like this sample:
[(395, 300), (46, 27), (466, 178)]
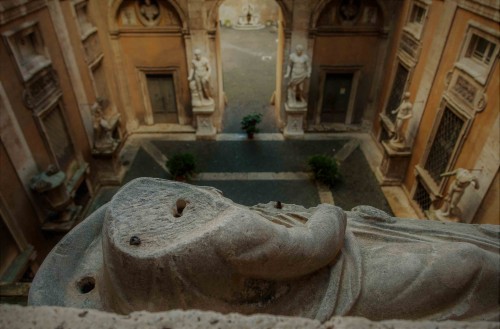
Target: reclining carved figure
[(161, 245)]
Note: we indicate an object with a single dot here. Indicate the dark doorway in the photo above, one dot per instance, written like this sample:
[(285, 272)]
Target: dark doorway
[(162, 95), (336, 96)]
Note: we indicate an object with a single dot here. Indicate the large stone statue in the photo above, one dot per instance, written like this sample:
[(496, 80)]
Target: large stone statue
[(463, 179), (104, 128), (199, 79), (404, 112), (160, 245), (298, 71)]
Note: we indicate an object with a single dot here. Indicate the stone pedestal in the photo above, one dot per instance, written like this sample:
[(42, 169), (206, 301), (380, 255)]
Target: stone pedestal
[(109, 167), (204, 122), (394, 165), (438, 214), (295, 114)]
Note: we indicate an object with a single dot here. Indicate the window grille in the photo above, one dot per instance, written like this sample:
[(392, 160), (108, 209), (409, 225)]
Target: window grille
[(422, 197), (58, 137), (443, 145), (398, 88)]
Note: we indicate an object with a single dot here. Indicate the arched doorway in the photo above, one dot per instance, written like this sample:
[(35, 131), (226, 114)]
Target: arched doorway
[(250, 46)]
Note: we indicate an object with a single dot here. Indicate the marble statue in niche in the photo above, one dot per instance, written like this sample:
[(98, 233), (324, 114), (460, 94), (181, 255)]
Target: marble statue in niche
[(463, 179), (298, 71), (199, 79), (203, 251), (403, 113)]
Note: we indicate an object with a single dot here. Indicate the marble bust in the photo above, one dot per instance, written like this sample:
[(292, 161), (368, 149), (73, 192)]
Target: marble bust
[(161, 245)]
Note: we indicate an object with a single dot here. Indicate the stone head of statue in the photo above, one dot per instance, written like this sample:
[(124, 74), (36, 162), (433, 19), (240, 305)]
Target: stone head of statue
[(299, 50), (406, 95), (197, 54)]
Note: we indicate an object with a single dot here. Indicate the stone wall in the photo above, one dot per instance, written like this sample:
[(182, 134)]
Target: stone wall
[(46, 317)]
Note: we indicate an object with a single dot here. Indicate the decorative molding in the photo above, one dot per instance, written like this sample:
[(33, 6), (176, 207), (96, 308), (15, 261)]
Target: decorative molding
[(409, 45), (27, 49), (11, 10), (40, 89)]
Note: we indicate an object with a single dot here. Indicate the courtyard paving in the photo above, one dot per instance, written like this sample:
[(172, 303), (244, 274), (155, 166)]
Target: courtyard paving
[(257, 171)]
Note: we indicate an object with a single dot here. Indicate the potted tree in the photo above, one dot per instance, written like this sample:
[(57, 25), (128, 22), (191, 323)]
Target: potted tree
[(249, 124), (182, 166), (325, 169)]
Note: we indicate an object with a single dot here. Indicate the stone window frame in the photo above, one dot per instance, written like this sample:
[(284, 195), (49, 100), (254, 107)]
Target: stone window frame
[(387, 124), (355, 70), (102, 98), (475, 68), (84, 30), (142, 73), (57, 103), (413, 27), (437, 189), (27, 66)]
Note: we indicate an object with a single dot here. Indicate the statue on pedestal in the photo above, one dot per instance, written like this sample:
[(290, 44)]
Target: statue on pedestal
[(404, 112), (199, 80), (298, 71), (161, 245), (103, 131), (449, 211)]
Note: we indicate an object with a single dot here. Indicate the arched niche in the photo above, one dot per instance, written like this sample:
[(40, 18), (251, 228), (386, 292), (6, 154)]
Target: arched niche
[(349, 15), (214, 13), (146, 14)]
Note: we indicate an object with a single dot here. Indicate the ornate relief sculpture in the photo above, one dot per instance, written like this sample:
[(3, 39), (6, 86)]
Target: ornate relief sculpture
[(298, 71), (150, 12), (161, 245)]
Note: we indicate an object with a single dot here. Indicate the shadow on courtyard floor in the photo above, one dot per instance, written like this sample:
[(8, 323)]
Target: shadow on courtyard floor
[(358, 186)]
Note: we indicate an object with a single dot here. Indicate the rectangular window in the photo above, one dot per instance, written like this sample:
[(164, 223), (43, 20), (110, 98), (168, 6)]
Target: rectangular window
[(481, 49), (417, 14), (447, 136), (398, 88), (58, 137), (422, 197), (101, 85)]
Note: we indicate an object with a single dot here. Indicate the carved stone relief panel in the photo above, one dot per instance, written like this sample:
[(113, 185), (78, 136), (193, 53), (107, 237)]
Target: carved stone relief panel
[(148, 13), (27, 48), (348, 13), (466, 91), (41, 89), (410, 46)]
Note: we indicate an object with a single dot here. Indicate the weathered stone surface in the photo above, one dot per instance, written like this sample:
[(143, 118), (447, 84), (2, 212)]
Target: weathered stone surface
[(47, 317), (168, 245)]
